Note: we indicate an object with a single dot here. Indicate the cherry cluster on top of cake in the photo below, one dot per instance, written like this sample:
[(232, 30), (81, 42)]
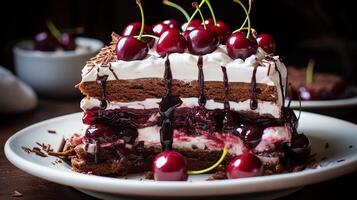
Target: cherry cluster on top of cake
[(50, 41), (199, 37)]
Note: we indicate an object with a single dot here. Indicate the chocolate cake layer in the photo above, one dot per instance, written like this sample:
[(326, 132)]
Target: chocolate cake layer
[(141, 89)]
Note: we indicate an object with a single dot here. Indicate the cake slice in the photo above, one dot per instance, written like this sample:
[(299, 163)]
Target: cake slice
[(198, 101)]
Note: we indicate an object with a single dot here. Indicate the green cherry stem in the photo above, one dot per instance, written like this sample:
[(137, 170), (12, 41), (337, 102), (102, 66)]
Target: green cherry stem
[(194, 4), (193, 15), (53, 29), (142, 19), (248, 18), (225, 151), (178, 7), (212, 12), (310, 71), (147, 35)]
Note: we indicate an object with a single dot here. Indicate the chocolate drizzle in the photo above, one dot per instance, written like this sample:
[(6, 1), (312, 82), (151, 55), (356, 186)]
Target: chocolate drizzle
[(201, 83), (167, 108), (102, 81), (254, 90), (281, 85), (113, 72), (226, 89)]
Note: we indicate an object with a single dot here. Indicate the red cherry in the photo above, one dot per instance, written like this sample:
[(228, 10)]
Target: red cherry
[(159, 28), (244, 165), (238, 46), (133, 29), (173, 23), (202, 41), (170, 166), (307, 93), (300, 146), (171, 41), (68, 41), (44, 41), (209, 21), (194, 24), (267, 43), (129, 48), (222, 30)]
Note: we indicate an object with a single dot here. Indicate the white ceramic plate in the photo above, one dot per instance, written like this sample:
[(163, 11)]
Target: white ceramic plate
[(341, 158), (325, 104)]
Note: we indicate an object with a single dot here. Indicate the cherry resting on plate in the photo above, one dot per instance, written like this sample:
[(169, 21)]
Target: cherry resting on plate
[(244, 165), (170, 166)]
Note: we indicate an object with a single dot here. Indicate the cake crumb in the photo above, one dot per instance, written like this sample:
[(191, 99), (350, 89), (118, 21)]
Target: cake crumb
[(341, 160), (149, 175), (17, 194), (51, 131), (350, 146), (26, 149)]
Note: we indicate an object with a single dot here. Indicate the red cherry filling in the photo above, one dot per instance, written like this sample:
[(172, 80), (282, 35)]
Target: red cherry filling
[(267, 43), (202, 41), (171, 41), (68, 41), (238, 46), (44, 41), (169, 166), (159, 28), (244, 165), (129, 48)]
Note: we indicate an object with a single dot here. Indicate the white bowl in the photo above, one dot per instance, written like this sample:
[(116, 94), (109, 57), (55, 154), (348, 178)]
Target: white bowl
[(53, 74)]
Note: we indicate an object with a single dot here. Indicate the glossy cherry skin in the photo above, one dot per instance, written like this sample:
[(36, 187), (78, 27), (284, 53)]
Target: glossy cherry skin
[(238, 46), (169, 166), (250, 133), (267, 43), (171, 41), (173, 23), (159, 28), (202, 41), (222, 30), (209, 21), (244, 165), (300, 146), (44, 41), (193, 25), (129, 48), (68, 41), (307, 93), (133, 29)]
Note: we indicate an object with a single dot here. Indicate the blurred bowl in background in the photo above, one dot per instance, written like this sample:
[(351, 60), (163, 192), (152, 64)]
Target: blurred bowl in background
[(54, 74)]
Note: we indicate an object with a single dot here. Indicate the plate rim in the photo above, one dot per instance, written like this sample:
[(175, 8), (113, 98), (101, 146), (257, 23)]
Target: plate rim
[(325, 104), (90, 182)]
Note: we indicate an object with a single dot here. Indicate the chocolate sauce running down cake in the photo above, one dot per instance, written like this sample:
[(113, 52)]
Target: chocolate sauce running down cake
[(207, 102)]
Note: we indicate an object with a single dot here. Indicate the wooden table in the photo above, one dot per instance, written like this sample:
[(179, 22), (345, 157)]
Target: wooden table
[(31, 187)]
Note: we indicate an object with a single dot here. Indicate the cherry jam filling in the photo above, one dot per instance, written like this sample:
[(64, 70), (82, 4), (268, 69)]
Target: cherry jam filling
[(117, 129)]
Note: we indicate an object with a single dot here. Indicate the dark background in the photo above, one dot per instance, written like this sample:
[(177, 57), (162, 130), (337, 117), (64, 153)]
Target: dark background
[(303, 29)]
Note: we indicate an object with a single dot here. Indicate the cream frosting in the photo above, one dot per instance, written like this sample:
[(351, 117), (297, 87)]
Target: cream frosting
[(264, 107), (184, 67)]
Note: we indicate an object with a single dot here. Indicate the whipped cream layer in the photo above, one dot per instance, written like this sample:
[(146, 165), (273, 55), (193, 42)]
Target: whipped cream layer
[(264, 107), (184, 67)]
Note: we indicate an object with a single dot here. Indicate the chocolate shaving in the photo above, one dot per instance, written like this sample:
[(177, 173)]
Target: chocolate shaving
[(51, 131), (148, 175), (341, 160), (17, 194), (26, 149), (350, 146)]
